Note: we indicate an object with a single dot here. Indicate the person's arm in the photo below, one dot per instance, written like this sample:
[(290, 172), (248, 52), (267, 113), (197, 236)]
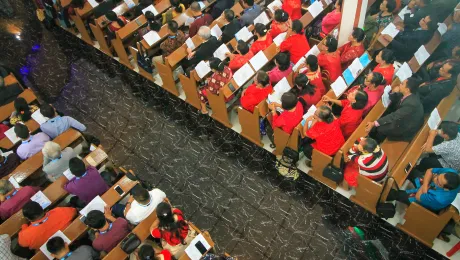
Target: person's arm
[(285, 45), (46, 160), (427, 147), (128, 206), (396, 115), (108, 214), (348, 56), (77, 125), (193, 30), (334, 101)]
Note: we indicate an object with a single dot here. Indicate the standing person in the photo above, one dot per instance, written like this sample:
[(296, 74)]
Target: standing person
[(200, 19), (295, 42), (256, 92), (60, 250), (385, 60), (353, 49), (30, 144), (251, 11), (283, 68), (56, 124), (8, 163), (231, 27), (329, 58), (12, 199), (263, 41), (280, 23), (293, 8), (55, 160), (332, 19), (23, 112)]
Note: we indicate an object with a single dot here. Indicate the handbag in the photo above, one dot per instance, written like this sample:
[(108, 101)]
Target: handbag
[(386, 209), (286, 164), (143, 60), (333, 173), (130, 243)]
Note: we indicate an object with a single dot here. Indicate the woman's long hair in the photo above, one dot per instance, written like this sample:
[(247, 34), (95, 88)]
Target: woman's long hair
[(303, 86), (168, 223), (22, 109)]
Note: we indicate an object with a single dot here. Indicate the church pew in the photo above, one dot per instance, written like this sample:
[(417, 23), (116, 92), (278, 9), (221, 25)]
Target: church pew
[(6, 110), (206, 236), (250, 126)]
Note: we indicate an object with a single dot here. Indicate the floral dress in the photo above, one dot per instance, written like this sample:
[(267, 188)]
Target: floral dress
[(215, 82)]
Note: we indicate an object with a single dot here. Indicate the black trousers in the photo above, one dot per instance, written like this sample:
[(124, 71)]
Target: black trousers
[(401, 195), (307, 147)]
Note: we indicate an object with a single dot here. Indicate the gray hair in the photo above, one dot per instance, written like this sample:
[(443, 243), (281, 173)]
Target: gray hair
[(204, 32), (5, 187), (51, 150), (195, 6)]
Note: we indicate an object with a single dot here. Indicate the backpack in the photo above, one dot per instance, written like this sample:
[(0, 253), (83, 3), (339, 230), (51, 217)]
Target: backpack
[(286, 163)]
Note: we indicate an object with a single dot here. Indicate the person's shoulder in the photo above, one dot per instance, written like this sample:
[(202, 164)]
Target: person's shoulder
[(121, 221), (43, 135), (60, 212)]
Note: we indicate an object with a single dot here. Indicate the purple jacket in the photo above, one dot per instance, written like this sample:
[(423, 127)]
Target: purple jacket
[(88, 186)]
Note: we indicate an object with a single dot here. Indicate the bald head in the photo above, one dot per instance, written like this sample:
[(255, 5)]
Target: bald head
[(195, 6)]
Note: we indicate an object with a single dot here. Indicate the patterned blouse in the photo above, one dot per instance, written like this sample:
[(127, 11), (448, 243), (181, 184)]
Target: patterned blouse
[(383, 21), (216, 82), (171, 43), (348, 53), (14, 118)]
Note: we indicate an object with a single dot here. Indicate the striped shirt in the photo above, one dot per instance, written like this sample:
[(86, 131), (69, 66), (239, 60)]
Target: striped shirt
[(371, 166)]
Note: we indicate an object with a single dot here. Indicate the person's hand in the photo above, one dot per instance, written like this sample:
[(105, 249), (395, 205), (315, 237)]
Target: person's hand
[(395, 89), (430, 65), (190, 55), (326, 99), (275, 8), (301, 66), (189, 50), (400, 27), (423, 148), (271, 106), (369, 126), (244, 91), (107, 212), (424, 189), (387, 37), (345, 157)]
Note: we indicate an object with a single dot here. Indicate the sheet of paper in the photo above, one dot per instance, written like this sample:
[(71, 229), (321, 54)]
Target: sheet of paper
[(390, 30), (151, 37), (220, 52), (38, 117), (130, 3), (92, 147), (348, 76), (421, 55), (258, 61), (12, 135), (57, 234), (282, 86), (96, 204), (190, 43), (456, 202), (364, 59), (442, 28), (339, 86), (242, 75), (328, 2), (274, 98), (313, 51), (189, 20), (13, 182), (315, 8), (41, 199), (355, 67), (216, 31), (434, 120), (192, 251), (202, 69), (404, 72), (68, 174), (244, 34), (93, 3), (272, 5), (279, 39), (311, 111), (202, 5), (262, 18), (403, 11), (386, 96), (150, 8), (300, 62)]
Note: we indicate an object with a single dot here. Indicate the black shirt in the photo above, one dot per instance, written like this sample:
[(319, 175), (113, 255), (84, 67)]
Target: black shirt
[(9, 93)]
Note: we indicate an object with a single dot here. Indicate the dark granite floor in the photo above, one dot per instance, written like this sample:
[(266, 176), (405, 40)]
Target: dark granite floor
[(223, 183)]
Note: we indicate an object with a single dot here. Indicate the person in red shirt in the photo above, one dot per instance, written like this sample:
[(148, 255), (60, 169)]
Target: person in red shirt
[(13, 199), (257, 92), (283, 68), (280, 24), (352, 110), (332, 19), (313, 72), (329, 59), (295, 42), (200, 19), (353, 49), (306, 92), (293, 8), (323, 133), (238, 60), (171, 227), (43, 225), (149, 250), (263, 39), (374, 86), (385, 60), (117, 22)]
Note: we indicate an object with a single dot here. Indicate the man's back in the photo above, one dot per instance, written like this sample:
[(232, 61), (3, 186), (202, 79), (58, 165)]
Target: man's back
[(84, 253), (55, 169), (107, 241), (32, 146), (58, 125), (432, 93), (139, 212), (250, 14), (16, 201), (88, 186)]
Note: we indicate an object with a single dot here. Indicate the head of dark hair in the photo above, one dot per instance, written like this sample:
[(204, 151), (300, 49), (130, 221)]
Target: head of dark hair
[(47, 110), (32, 211), (391, 5), (112, 16), (146, 252), (453, 181), (176, 5), (22, 109), (150, 16), (283, 61), (281, 16), (303, 86), (167, 221), (361, 100), (358, 34), (312, 62), (262, 78), (95, 219), (339, 2), (433, 23), (331, 44), (78, 3), (288, 101), (377, 79), (77, 166), (297, 26), (455, 70), (22, 131), (388, 56), (173, 26), (151, 22), (229, 15), (140, 194), (370, 145), (412, 84), (449, 128), (260, 29), (55, 245), (249, 2), (242, 47), (325, 114), (216, 64)]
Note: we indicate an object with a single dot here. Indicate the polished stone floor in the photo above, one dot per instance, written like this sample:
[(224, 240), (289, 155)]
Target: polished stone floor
[(222, 182)]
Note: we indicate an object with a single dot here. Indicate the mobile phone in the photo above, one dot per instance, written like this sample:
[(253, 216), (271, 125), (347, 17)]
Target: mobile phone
[(119, 190), (231, 87), (200, 247), (408, 167)]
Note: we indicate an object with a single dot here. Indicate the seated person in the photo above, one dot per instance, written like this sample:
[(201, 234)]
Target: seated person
[(403, 118), (23, 112), (231, 27), (75, 4), (365, 158), (376, 22), (293, 8), (352, 110), (332, 19), (171, 228), (250, 13), (140, 205), (374, 86), (263, 41), (329, 58), (257, 92), (177, 8), (295, 42), (435, 189), (221, 75), (60, 250), (280, 23), (306, 92), (116, 22), (353, 49), (431, 93), (419, 9), (8, 93), (205, 51), (151, 25), (110, 230), (385, 60), (283, 68), (238, 60), (57, 124), (220, 7), (140, 6), (12, 199), (174, 40), (322, 133), (5, 248), (43, 224), (8, 163), (88, 182), (313, 72), (55, 161), (200, 19), (31, 144), (450, 39), (443, 148)]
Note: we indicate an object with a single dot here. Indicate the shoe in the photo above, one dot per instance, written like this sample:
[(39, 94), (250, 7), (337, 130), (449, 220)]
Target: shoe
[(308, 163)]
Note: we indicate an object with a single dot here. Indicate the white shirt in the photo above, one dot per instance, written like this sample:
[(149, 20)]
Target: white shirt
[(139, 212)]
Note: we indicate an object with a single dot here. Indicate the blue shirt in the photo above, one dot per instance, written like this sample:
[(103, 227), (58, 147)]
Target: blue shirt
[(436, 198), (58, 125), (250, 14)]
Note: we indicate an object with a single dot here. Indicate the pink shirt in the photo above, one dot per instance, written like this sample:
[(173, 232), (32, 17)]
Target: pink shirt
[(276, 74), (373, 96), (330, 21)]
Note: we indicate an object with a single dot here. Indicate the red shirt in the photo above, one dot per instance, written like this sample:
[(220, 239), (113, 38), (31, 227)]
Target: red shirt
[(288, 120), (293, 8), (168, 236), (349, 53), (16, 201), (277, 28), (328, 137), (297, 45), (253, 96), (239, 60), (387, 73), (331, 63), (330, 21), (204, 19), (261, 45), (114, 28), (3, 129), (166, 254), (317, 81), (312, 99), (350, 118)]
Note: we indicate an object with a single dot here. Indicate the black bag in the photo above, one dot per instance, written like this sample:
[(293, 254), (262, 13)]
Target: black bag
[(386, 209), (130, 243), (286, 164), (143, 60), (333, 173)]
